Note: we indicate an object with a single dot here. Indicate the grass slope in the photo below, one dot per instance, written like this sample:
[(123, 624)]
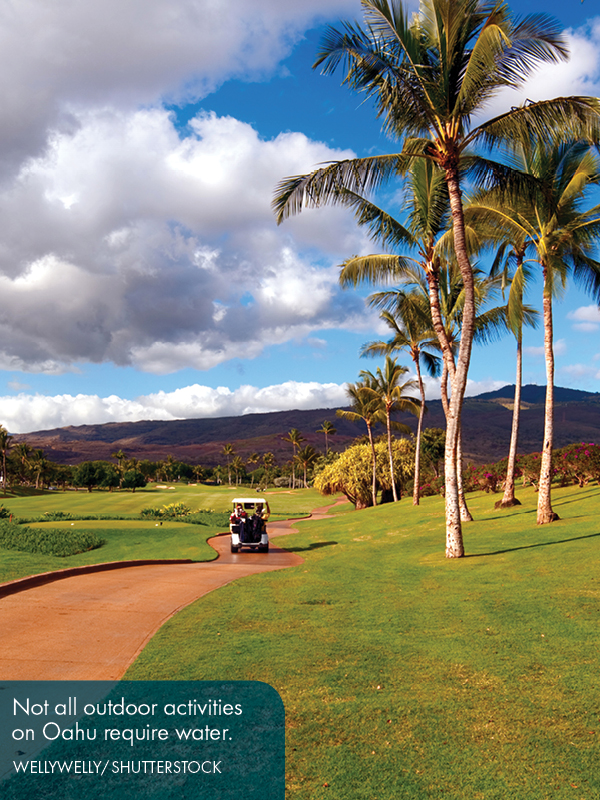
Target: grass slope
[(408, 676)]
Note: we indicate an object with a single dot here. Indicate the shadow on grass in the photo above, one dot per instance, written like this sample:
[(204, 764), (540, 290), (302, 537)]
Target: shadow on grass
[(313, 546), (530, 546)]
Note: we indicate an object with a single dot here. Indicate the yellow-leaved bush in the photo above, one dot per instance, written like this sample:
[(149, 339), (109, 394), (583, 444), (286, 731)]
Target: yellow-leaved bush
[(352, 472)]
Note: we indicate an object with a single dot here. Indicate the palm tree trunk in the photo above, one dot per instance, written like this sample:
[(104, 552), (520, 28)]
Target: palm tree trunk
[(545, 513), (465, 514), (433, 284), (417, 481), (509, 500), (454, 539), (391, 455), (374, 457)]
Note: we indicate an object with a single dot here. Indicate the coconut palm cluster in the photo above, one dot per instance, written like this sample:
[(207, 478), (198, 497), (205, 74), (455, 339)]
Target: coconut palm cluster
[(516, 184)]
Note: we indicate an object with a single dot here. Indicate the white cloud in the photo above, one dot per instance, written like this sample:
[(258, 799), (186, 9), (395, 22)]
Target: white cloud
[(125, 243), (66, 55), (25, 412), (560, 348), (580, 75), (586, 318), (581, 373)]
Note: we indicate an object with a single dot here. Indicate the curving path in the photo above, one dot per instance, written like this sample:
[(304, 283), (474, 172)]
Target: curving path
[(92, 626)]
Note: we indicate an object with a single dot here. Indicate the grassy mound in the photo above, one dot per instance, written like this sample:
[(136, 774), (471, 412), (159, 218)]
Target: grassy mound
[(408, 676), (49, 541)]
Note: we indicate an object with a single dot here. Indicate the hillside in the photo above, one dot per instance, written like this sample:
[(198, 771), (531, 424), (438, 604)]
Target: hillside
[(486, 430)]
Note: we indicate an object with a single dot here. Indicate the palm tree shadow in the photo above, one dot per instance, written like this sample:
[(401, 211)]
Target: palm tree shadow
[(313, 546), (530, 546)]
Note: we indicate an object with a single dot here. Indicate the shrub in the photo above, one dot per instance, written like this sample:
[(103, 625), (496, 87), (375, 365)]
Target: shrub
[(577, 463), (49, 541), (351, 473), (56, 515)]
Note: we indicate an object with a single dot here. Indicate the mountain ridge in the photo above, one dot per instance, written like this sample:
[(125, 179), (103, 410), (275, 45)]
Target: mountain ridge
[(486, 430)]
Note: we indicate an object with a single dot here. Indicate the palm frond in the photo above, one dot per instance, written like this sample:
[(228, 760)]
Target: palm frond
[(328, 183), (375, 269)]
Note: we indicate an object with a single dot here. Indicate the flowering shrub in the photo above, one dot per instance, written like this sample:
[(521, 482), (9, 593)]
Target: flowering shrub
[(577, 463)]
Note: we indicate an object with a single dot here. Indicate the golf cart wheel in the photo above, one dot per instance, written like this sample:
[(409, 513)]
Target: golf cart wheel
[(235, 548), (264, 548)]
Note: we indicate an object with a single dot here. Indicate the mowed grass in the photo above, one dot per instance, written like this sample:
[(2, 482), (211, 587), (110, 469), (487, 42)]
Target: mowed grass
[(405, 675), (125, 540), (136, 539), (284, 503)]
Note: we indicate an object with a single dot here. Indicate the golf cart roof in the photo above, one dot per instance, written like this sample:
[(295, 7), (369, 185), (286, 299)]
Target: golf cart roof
[(249, 500)]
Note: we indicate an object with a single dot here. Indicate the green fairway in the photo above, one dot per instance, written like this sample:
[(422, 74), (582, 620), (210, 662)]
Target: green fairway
[(405, 675), (130, 539), (284, 503)]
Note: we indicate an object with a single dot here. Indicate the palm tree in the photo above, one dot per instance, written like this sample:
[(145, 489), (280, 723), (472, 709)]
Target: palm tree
[(366, 407), (295, 438), (447, 310), (253, 459), (40, 465), (238, 467), (5, 445), (268, 464), (412, 330), (23, 451), (391, 393), (228, 451), (554, 219), (329, 430), (518, 314), (306, 456), (430, 77)]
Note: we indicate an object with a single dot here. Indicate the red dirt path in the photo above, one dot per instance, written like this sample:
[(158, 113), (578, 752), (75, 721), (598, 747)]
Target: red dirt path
[(93, 626)]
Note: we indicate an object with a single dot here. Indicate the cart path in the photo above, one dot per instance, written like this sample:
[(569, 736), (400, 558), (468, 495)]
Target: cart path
[(93, 626)]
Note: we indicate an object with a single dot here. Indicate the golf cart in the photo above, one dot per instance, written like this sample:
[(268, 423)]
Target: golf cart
[(248, 524)]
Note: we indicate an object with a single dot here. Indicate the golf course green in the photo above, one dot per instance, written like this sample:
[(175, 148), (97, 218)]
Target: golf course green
[(403, 674)]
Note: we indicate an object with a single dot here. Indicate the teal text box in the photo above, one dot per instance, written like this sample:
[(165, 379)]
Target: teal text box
[(154, 740)]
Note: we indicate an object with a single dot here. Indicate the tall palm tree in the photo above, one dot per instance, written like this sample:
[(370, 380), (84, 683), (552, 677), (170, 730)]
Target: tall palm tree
[(449, 298), (365, 407), (412, 330), (23, 451), (295, 438), (556, 219), (40, 465), (253, 459), (228, 451), (392, 395), (430, 77), (306, 456), (328, 429), (268, 463), (518, 314), (238, 467)]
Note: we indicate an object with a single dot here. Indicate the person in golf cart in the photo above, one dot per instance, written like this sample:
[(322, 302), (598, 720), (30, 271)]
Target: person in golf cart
[(249, 531)]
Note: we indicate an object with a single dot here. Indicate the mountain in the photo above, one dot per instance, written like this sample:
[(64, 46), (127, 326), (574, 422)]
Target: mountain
[(487, 422)]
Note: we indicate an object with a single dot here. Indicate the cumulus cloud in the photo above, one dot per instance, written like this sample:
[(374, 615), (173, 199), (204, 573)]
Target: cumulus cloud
[(67, 55), (560, 348), (586, 318), (580, 75), (127, 243), (24, 413)]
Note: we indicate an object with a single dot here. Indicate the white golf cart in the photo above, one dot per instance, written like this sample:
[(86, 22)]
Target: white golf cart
[(248, 524)]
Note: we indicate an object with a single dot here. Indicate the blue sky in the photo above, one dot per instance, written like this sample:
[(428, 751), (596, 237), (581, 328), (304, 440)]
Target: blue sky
[(142, 272)]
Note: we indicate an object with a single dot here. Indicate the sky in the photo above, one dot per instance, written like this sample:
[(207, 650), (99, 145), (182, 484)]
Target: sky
[(142, 273)]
